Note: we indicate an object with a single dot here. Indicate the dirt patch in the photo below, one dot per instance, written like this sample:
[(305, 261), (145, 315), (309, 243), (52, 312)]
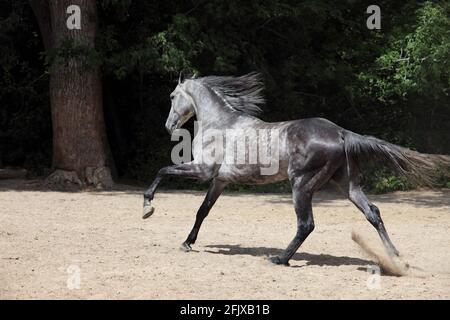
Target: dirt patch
[(48, 238)]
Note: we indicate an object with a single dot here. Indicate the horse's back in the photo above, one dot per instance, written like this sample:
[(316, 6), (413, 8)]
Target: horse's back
[(315, 138)]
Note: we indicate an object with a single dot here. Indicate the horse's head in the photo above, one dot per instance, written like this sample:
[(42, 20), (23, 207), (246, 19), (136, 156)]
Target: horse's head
[(182, 108)]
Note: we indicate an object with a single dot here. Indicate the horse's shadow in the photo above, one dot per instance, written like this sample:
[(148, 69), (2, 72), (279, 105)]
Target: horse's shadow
[(310, 258)]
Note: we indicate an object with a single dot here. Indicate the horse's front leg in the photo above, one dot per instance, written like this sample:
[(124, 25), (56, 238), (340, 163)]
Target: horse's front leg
[(215, 190), (185, 170)]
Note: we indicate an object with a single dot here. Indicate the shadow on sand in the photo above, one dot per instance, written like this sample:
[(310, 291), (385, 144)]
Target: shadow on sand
[(310, 258)]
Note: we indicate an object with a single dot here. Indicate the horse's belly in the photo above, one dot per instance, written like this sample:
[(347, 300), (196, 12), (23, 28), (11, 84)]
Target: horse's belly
[(253, 174)]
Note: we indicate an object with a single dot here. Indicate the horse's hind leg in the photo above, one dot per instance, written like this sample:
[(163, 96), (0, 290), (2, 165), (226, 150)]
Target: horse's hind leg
[(303, 187), (215, 190), (372, 213)]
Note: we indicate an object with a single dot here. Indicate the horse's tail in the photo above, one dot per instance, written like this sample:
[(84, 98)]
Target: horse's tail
[(422, 169)]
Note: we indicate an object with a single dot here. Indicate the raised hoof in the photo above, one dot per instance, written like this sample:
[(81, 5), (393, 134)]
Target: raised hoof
[(185, 247), (277, 260), (148, 211)]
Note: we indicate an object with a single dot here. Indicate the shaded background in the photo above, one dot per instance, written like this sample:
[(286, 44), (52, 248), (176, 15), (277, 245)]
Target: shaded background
[(317, 58)]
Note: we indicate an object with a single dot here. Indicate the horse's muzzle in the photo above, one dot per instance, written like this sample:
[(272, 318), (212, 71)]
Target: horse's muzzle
[(170, 127), (172, 123)]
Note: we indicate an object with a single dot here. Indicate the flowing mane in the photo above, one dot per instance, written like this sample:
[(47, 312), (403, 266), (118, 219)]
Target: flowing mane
[(239, 93)]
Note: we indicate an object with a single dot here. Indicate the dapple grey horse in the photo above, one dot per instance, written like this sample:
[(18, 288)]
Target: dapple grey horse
[(311, 152)]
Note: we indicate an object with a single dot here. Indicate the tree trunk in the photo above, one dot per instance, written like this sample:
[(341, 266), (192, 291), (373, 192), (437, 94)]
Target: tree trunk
[(81, 154)]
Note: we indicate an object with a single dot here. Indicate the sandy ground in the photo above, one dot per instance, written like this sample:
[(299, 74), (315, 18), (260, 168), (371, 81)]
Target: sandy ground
[(46, 238)]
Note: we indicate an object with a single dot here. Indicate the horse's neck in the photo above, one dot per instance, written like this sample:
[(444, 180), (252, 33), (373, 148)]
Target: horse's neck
[(209, 109)]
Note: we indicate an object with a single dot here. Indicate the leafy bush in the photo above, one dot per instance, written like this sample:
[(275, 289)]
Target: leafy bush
[(391, 183), (384, 180)]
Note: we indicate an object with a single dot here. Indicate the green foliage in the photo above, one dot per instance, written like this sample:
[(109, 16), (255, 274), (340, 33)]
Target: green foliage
[(384, 180), (390, 184), (317, 59), (410, 79), (418, 61), (73, 49), (443, 180)]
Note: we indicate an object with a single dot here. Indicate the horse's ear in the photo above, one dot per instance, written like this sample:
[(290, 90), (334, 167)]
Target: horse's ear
[(181, 77)]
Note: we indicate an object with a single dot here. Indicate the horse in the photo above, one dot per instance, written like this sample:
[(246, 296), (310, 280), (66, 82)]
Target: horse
[(311, 152)]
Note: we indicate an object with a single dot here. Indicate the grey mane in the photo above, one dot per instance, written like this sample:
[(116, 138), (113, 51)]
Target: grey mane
[(239, 93)]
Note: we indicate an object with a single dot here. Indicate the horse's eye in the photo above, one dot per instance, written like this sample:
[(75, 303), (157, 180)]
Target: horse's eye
[(171, 97)]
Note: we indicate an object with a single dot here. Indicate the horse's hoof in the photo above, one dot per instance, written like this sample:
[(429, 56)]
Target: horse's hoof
[(277, 260), (148, 211), (185, 247)]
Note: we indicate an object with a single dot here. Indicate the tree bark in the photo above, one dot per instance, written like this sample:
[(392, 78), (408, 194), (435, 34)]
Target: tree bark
[(81, 154)]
